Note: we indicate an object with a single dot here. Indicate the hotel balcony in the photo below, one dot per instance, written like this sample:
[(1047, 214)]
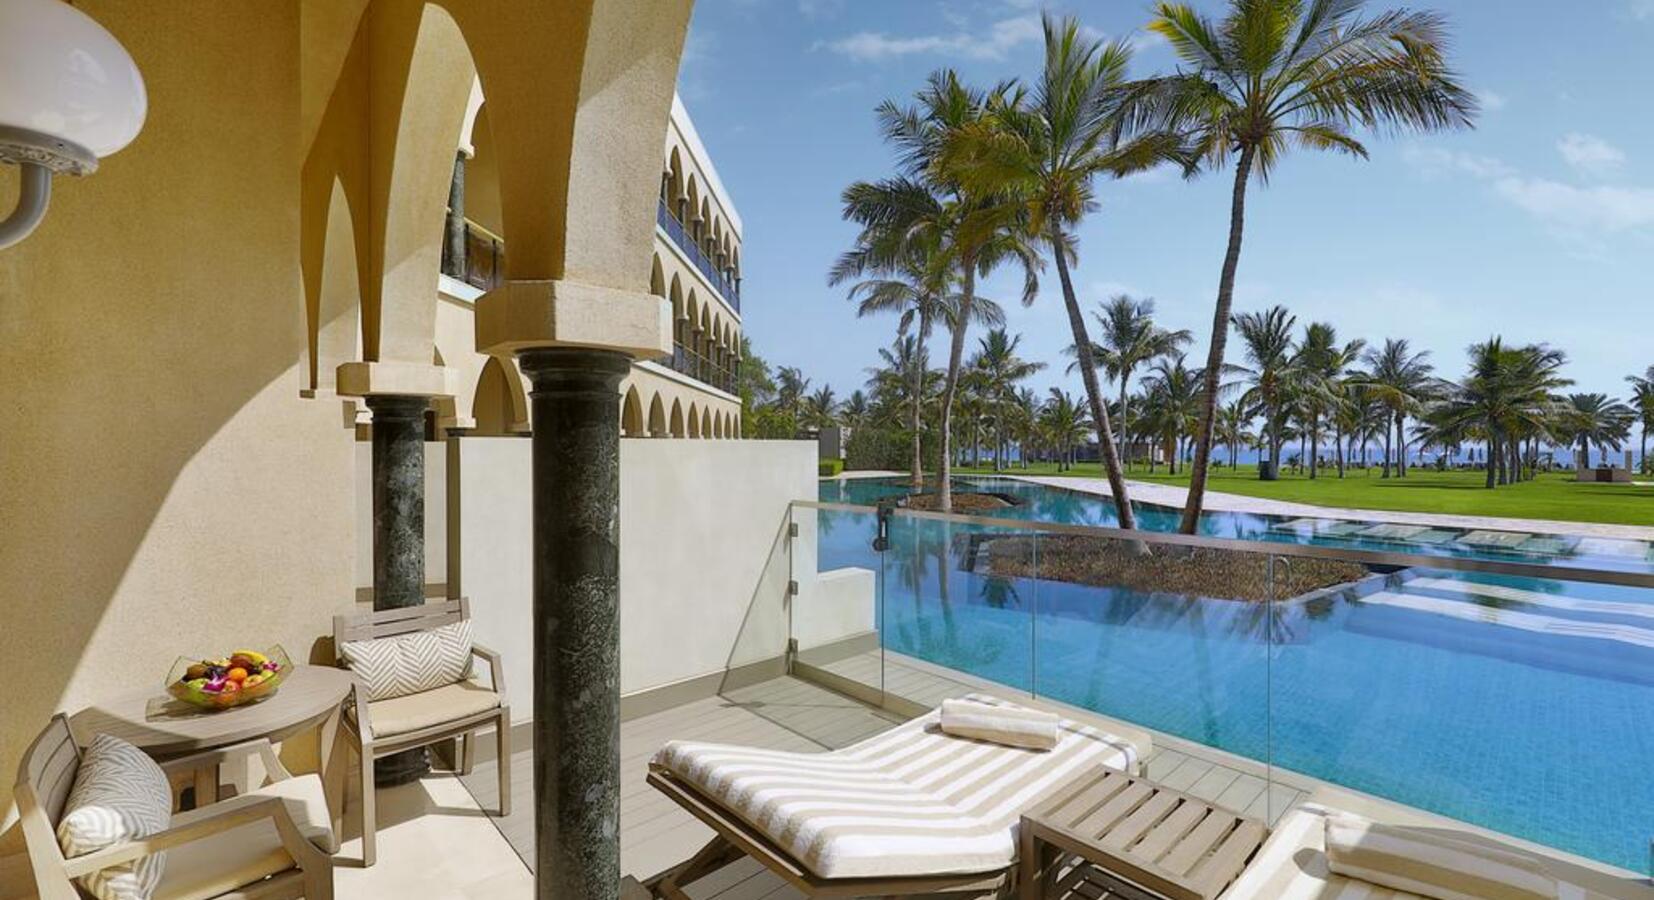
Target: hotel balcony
[(724, 280), (1421, 690)]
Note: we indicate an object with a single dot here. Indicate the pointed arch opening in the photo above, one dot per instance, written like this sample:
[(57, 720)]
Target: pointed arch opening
[(631, 414), (657, 418)]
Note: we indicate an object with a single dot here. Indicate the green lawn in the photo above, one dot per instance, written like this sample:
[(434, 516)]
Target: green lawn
[(1554, 496)]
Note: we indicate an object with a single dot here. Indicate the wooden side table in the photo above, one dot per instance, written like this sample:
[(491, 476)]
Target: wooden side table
[(164, 727), (1110, 834)]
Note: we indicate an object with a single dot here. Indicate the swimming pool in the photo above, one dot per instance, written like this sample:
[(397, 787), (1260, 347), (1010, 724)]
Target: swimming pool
[(1520, 704)]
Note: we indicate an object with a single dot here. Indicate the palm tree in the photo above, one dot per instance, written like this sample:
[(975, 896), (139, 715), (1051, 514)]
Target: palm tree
[(926, 216), (1127, 338), (1233, 419), (1323, 364), (791, 388), (820, 408), (1642, 398), (1000, 370), (1400, 380), (1507, 394), (1172, 402), (1064, 424), (856, 409), (1045, 147), (1278, 73), (1596, 419), (1267, 337), (1024, 415), (918, 301)]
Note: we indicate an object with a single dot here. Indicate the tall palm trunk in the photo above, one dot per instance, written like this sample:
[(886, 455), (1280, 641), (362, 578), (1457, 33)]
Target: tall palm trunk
[(1125, 425), (1387, 436), (918, 401), (1088, 374), (1401, 445), (950, 384), (1220, 339), (1338, 446), (1314, 445)]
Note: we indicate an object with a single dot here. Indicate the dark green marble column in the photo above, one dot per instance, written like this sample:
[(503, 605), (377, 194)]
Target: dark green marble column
[(576, 410), (453, 226), (399, 534)]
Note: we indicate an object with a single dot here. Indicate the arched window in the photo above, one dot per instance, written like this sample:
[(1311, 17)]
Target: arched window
[(657, 418), (631, 415)]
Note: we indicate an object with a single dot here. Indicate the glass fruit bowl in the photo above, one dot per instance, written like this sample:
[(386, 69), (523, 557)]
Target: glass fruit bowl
[(226, 681)]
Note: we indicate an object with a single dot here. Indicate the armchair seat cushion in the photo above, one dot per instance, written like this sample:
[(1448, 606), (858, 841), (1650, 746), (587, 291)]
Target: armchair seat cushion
[(249, 853), (401, 715)]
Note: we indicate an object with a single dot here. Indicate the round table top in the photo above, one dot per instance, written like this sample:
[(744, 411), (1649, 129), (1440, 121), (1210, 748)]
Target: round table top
[(164, 726)]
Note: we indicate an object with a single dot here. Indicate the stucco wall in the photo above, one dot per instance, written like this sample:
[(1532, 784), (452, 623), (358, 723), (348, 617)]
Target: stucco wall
[(703, 559), (163, 487)]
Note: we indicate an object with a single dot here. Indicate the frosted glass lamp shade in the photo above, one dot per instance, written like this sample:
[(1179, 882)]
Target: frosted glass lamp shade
[(64, 78)]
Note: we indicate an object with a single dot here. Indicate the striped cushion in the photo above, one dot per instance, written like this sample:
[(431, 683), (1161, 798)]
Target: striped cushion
[(413, 662), (119, 795), (911, 801), (1009, 725), (1432, 864)]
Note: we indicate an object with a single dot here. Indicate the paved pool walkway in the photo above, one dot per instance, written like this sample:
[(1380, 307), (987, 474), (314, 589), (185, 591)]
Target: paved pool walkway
[(1171, 495)]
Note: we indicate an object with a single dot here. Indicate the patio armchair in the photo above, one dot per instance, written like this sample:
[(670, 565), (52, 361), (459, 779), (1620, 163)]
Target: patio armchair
[(275, 841), (379, 728)]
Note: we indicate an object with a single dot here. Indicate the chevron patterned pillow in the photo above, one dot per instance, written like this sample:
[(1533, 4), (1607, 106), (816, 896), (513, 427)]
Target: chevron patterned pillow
[(411, 663), (119, 795)]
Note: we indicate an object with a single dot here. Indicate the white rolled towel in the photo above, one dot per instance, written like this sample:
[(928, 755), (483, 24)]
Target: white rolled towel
[(1012, 726), (1433, 863)]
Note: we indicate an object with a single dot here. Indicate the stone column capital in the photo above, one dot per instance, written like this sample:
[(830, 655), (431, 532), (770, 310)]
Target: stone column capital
[(379, 379), (525, 315)]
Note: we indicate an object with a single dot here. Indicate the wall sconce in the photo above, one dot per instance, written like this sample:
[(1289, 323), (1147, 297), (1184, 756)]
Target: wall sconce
[(69, 95)]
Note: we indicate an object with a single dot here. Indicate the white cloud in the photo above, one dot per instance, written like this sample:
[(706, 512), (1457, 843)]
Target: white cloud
[(820, 9), (1437, 161), (1600, 208), (1574, 211), (999, 39), (1143, 41), (1589, 154), (1641, 10), (1491, 100)]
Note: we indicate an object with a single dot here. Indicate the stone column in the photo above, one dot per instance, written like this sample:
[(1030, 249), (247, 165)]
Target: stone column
[(453, 231), (399, 533), (576, 496)]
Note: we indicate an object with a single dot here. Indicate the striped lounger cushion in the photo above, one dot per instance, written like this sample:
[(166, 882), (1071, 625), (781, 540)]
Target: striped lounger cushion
[(911, 801)]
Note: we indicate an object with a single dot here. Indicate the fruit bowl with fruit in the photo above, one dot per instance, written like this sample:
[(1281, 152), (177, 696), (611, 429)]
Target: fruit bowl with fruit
[(226, 681)]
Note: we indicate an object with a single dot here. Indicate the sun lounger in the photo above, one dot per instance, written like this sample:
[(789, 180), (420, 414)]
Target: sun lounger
[(909, 811), (1293, 865)]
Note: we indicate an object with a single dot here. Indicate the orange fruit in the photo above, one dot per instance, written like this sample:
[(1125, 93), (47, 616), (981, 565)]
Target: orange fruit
[(236, 674), (230, 687)]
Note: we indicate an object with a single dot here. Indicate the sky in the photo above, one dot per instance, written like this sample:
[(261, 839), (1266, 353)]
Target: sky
[(1538, 225)]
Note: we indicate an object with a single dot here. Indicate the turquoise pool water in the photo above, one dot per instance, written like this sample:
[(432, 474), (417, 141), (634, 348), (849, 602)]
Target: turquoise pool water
[(1522, 705)]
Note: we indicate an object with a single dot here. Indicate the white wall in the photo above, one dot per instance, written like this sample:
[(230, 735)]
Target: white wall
[(704, 563), (833, 605)]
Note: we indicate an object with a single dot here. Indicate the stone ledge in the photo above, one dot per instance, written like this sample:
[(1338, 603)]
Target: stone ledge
[(382, 379), (521, 315)]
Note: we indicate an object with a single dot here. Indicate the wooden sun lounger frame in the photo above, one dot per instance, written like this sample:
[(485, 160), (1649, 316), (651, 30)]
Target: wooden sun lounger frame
[(737, 839)]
